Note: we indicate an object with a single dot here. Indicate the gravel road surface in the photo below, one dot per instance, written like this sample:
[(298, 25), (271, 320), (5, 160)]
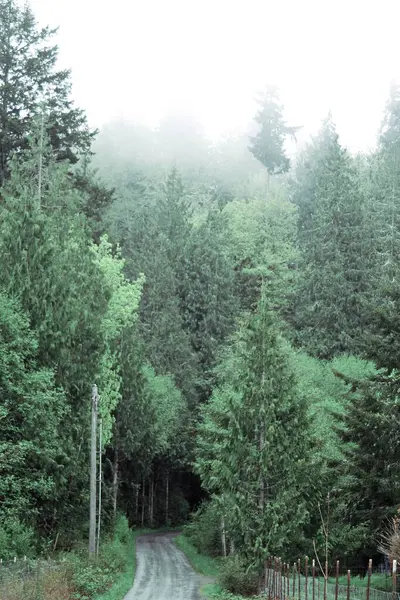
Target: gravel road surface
[(162, 571)]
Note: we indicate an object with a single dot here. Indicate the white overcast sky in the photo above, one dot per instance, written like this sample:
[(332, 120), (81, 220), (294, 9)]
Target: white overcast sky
[(142, 58)]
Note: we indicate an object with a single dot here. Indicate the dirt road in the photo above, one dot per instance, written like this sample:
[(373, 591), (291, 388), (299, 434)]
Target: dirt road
[(162, 571)]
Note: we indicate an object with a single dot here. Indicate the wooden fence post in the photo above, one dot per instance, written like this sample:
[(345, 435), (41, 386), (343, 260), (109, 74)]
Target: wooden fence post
[(337, 581), (348, 584), (369, 577), (299, 574), (306, 568), (313, 579)]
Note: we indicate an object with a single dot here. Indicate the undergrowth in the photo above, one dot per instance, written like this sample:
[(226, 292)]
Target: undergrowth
[(378, 581), (229, 573), (202, 564), (124, 581)]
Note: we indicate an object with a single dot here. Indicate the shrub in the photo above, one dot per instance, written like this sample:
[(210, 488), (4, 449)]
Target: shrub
[(89, 579), (16, 539), (235, 577), (204, 531), (122, 531)]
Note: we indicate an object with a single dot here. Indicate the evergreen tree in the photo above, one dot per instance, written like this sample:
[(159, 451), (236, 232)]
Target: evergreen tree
[(381, 341), (30, 84), (208, 300), (45, 250), (154, 229), (333, 286), (261, 243), (268, 145), (263, 420), (31, 412), (372, 489)]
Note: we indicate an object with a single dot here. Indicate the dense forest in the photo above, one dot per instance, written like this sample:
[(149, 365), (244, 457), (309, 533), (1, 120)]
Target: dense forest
[(238, 311)]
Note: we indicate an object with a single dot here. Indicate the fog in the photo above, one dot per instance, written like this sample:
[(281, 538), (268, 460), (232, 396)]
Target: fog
[(139, 59)]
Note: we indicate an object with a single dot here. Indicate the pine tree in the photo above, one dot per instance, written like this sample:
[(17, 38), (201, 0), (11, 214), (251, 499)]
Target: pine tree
[(45, 250), (30, 84), (208, 300), (268, 145), (381, 341), (32, 410), (329, 312), (372, 462), (256, 461)]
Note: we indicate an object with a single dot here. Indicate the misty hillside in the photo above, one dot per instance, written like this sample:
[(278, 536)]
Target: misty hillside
[(198, 334)]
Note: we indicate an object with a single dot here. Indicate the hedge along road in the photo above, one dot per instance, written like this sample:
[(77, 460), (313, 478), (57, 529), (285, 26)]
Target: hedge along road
[(162, 571)]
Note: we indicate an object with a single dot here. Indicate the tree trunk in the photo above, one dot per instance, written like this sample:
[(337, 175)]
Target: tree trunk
[(151, 507), (115, 483), (137, 504), (262, 483), (261, 449), (167, 500), (223, 536), (143, 500), (268, 183), (232, 547)]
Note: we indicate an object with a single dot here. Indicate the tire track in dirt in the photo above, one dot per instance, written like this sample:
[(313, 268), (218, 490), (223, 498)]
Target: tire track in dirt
[(162, 571)]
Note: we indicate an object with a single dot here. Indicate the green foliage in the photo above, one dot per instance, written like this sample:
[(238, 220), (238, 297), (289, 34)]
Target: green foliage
[(200, 562), (121, 313), (334, 238), (217, 592), (253, 419), (261, 243), (268, 145), (16, 539), (31, 412), (89, 579), (208, 300), (122, 533), (372, 456), (179, 303), (237, 578), (123, 582), (30, 83), (45, 250), (204, 529), (382, 306)]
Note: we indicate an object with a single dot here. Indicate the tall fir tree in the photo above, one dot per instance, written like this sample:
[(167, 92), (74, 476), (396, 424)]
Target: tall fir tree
[(268, 145), (30, 84), (209, 303), (371, 488), (45, 248), (332, 238), (254, 419), (381, 341), (32, 410)]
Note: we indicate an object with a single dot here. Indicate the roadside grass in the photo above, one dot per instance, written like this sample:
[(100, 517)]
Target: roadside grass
[(125, 579), (378, 581), (213, 590), (208, 566), (205, 565)]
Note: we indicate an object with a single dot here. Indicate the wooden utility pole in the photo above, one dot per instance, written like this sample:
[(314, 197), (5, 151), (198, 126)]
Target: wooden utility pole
[(100, 483), (93, 481)]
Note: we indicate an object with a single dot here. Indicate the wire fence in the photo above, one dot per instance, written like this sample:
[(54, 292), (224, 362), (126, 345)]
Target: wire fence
[(24, 579), (305, 582)]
